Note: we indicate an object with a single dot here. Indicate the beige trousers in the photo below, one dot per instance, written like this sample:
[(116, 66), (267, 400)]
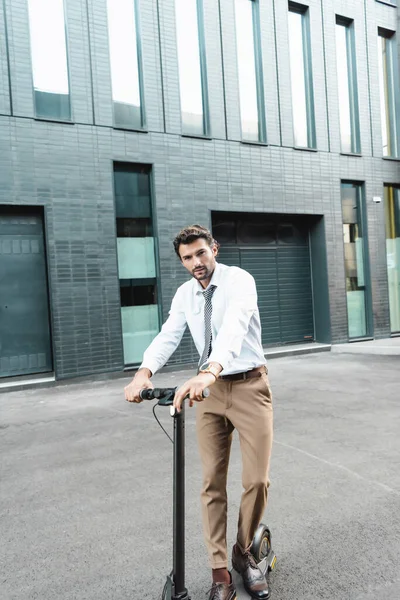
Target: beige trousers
[(247, 407)]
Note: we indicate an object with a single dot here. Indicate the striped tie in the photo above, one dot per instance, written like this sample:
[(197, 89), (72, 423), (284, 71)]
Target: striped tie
[(207, 323)]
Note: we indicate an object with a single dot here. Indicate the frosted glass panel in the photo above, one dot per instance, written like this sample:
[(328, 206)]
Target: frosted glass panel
[(136, 258), (140, 326), (357, 317), (393, 269)]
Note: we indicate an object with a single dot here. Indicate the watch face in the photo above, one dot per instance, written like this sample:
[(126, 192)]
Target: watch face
[(204, 366)]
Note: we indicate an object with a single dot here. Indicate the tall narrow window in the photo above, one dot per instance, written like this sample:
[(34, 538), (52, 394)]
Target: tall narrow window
[(389, 92), (192, 67), (347, 85), (251, 87), (136, 259), (392, 219), (49, 59), (126, 71), (301, 76), (355, 257)]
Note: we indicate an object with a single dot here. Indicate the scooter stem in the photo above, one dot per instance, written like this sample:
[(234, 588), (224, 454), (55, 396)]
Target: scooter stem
[(179, 592)]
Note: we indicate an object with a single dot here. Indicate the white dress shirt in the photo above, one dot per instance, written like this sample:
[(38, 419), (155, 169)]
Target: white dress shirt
[(235, 323)]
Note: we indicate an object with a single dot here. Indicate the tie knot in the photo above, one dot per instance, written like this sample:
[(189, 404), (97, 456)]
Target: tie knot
[(208, 293)]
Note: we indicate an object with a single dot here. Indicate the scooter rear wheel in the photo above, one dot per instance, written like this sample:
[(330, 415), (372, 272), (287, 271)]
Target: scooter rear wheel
[(261, 545)]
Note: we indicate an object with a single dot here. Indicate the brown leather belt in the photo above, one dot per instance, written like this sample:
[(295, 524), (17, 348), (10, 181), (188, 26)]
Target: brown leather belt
[(257, 372)]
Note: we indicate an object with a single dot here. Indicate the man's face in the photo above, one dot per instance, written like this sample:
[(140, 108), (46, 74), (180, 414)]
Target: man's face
[(199, 260)]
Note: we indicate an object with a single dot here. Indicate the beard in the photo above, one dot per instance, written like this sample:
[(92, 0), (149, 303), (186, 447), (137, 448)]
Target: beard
[(200, 275)]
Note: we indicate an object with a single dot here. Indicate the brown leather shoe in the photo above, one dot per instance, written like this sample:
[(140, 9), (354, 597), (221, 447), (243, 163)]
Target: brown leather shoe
[(222, 591), (254, 580)]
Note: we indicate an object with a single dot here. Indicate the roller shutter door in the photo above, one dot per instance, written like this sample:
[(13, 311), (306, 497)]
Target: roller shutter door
[(283, 279)]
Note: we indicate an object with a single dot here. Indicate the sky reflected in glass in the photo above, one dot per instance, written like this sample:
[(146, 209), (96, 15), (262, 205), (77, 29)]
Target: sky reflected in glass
[(343, 87), (247, 69), (189, 57), (383, 93), (123, 51), (298, 79), (48, 46)]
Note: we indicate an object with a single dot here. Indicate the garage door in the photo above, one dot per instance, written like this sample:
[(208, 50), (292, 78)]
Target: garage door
[(283, 277), (24, 315)]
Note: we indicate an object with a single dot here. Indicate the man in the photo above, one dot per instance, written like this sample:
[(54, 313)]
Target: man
[(219, 304)]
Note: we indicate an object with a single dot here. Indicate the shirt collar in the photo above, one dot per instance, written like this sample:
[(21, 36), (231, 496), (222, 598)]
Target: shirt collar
[(215, 280)]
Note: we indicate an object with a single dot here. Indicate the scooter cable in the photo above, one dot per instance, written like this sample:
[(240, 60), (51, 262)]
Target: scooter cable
[(158, 421)]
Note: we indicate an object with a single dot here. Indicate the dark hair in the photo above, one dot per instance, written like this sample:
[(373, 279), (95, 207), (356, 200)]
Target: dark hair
[(190, 234)]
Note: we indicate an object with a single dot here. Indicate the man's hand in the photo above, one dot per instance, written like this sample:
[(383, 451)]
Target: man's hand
[(193, 388), (141, 381)]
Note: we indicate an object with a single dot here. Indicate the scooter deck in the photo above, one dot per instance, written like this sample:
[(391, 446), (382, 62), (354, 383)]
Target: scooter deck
[(267, 563)]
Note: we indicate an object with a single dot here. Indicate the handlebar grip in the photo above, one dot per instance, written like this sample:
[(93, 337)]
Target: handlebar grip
[(157, 393), (147, 394)]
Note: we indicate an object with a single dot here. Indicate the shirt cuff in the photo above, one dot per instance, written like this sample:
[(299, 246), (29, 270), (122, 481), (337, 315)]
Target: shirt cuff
[(223, 360), (152, 366)]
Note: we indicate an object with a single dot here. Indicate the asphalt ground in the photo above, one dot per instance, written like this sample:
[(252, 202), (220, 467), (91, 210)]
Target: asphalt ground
[(86, 485)]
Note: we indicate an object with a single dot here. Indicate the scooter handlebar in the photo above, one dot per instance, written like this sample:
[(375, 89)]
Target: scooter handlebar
[(160, 393)]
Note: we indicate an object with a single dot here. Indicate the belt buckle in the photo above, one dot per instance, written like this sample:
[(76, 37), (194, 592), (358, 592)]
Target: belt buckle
[(244, 376)]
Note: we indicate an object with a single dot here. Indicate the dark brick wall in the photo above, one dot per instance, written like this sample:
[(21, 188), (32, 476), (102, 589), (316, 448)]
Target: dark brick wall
[(67, 168)]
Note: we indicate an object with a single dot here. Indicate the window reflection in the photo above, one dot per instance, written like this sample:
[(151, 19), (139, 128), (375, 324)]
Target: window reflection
[(384, 95), (301, 80), (136, 259), (392, 222), (250, 77), (354, 258), (343, 85), (49, 58), (125, 71), (190, 67), (388, 91), (347, 87)]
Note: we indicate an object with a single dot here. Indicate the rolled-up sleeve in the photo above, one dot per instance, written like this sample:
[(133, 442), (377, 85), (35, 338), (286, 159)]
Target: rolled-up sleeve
[(167, 341), (242, 304)]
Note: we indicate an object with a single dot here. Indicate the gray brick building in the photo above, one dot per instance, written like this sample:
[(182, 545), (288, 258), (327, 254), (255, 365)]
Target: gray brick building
[(276, 124)]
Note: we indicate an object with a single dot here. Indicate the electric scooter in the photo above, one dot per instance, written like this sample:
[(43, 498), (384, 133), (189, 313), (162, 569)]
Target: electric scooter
[(174, 588)]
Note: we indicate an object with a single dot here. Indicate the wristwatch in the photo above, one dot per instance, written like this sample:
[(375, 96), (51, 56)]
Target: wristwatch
[(209, 368)]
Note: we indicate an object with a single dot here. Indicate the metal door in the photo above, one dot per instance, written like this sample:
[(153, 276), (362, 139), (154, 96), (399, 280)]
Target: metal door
[(25, 344)]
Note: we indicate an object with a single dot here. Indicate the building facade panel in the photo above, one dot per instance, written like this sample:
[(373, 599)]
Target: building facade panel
[(268, 48), (170, 71), (16, 15), (79, 61), (67, 169), (231, 76), (215, 90), (283, 68), (5, 107), (151, 56), (100, 62)]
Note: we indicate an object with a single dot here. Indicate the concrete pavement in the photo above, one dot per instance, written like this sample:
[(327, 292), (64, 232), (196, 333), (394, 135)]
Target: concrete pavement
[(86, 487), (384, 347)]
